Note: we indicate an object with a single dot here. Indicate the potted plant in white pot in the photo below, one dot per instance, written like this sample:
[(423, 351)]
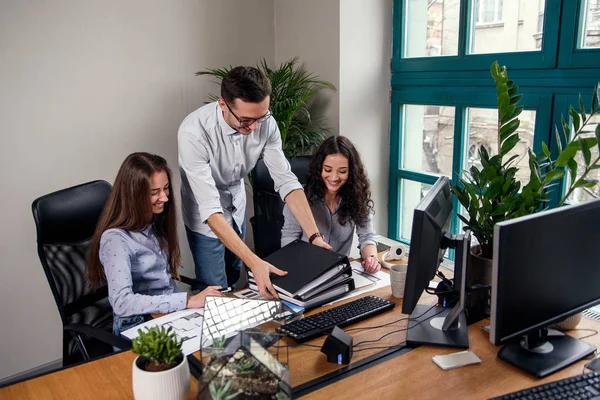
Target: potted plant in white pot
[(491, 193), (160, 371)]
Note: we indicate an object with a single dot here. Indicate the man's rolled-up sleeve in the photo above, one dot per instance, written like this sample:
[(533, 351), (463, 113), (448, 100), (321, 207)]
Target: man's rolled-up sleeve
[(278, 166), (194, 160)]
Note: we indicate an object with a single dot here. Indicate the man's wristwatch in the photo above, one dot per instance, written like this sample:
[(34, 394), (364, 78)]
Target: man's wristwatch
[(314, 236)]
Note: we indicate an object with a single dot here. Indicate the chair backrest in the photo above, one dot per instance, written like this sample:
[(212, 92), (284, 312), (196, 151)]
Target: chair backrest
[(65, 221), (268, 207)]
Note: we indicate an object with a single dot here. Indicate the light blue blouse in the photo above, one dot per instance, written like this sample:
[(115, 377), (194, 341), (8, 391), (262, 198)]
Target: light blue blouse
[(137, 273)]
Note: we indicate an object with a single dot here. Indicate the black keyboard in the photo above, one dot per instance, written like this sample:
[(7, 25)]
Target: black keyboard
[(344, 315), (578, 387)]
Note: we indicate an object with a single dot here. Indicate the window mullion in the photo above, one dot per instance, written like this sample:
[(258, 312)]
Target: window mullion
[(463, 28)]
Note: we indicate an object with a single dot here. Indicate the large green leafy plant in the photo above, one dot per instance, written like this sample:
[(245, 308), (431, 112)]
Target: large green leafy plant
[(491, 193), (159, 347), (292, 88)]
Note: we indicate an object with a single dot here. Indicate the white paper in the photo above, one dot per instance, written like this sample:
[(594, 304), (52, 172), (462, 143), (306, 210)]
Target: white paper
[(380, 279), (186, 324), (226, 316)]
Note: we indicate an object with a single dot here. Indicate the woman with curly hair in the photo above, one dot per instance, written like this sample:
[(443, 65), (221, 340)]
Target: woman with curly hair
[(339, 194)]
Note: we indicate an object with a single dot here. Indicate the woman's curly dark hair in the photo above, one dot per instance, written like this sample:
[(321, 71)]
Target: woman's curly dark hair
[(356, 203)]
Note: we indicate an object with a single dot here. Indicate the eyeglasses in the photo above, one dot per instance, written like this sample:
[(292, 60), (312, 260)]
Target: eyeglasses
[(249, 121)]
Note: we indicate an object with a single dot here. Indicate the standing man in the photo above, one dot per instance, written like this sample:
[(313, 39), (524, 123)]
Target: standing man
[(219, 144)]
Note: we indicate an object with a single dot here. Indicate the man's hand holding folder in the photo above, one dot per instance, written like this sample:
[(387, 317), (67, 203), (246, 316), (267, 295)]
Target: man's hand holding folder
[(316, 275), (261, 272)]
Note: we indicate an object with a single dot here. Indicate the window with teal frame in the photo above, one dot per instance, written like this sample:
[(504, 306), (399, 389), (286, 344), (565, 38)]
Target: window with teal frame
[(443, 103)]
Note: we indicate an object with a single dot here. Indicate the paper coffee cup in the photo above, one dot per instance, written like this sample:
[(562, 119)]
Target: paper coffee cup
[(398, 279)]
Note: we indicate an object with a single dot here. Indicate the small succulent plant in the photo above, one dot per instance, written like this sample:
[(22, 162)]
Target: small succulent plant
[(158, 345), (244, 365), (221, 390)]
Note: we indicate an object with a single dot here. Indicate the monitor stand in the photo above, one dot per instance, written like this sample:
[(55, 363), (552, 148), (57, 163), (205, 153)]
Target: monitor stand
[(542, 353), (441, 326), (426, 329)]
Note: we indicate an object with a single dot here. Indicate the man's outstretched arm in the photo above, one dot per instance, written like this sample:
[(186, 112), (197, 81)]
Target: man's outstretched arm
[(260, 268)]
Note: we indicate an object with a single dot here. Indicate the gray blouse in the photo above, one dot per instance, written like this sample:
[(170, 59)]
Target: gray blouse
[(337, 235), (137, 274)]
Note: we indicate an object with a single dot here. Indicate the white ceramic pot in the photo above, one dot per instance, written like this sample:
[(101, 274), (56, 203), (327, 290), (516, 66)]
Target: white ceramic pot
[(172, 384)]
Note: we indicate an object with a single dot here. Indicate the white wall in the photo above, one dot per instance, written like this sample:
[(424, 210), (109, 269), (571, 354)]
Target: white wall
[(347, 42), (365, 52), (83, 84), (310, 30)]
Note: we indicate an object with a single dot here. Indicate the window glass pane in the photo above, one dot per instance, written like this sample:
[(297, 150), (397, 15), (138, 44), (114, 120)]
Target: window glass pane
[(501, 26), (589, 32), (483, 131), (411, 193), (585, 194), (427, 139), (431, 28)]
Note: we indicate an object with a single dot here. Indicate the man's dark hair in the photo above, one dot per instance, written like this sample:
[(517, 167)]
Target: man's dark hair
[(248, 84)]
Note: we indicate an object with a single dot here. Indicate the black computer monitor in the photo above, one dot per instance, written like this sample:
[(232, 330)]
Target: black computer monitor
[(546, 267), (429, 240)]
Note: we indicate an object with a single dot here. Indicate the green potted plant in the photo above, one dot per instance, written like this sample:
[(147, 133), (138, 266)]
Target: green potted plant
[(161, 370), (292, 89), (491, 193)]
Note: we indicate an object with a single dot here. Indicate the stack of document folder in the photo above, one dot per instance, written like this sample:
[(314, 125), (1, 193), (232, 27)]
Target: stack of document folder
[(315, 276)]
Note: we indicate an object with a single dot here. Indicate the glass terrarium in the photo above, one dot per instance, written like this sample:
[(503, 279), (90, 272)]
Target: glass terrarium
[(241, 362)]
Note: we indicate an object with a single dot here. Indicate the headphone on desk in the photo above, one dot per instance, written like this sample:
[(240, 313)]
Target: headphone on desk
[(445, 291), (395, 253)]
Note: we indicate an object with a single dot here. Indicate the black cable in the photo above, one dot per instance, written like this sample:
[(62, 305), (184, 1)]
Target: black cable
[(399, 330), (375, 327), (588, 330), (392, 322), (381, 347)]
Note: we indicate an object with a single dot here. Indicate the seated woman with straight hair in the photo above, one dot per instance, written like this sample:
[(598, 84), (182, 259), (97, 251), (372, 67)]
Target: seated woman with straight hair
[(339, 194), (135, 249)]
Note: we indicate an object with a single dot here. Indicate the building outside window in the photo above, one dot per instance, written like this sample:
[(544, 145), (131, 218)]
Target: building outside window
[(449, 112)]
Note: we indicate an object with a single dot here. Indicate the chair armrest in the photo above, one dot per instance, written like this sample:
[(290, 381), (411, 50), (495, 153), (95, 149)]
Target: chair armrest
[(194, 283), (195, 366), (99, 334)]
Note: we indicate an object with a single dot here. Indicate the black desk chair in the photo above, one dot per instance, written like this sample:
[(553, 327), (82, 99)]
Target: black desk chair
[(268, 207), (65, 221)]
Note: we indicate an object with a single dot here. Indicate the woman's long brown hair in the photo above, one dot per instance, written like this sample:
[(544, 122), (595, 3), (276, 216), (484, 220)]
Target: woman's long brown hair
[(128, 207)]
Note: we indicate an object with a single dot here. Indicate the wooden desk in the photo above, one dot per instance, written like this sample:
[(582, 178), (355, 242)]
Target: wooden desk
[(110, 377), (415, 376), (410, 375)]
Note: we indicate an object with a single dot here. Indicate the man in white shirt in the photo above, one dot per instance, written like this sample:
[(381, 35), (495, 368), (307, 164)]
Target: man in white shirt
[(219, 144)]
